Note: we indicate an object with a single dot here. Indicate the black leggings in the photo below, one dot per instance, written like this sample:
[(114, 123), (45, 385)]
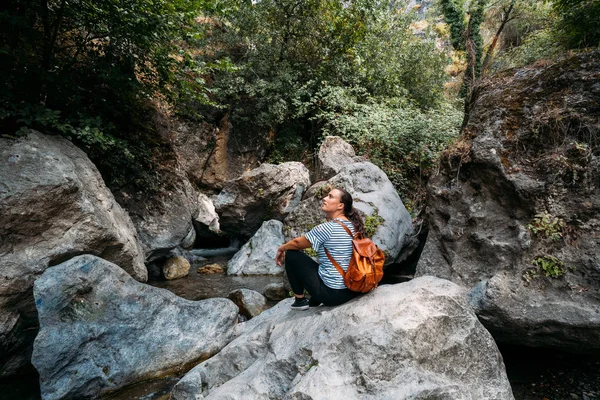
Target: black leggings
[(302, 272)]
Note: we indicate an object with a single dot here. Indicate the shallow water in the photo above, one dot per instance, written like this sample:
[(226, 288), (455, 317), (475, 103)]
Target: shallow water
[(197, 286)]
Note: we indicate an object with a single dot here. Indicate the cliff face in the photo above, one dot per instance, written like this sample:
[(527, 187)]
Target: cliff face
[(518, 199), (194, 157)]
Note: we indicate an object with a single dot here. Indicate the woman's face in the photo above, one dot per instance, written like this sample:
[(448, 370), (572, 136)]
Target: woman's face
[(332, 202)]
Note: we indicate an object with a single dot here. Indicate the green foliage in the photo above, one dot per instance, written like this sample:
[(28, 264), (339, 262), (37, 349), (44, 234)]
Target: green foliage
[(546, 29), (372, 222), (312, 363), (455, 18), (310, 252), (286, 51), (547, 226), (540, 44), (578, 21), (551, 266), (404, 141), (393, 62), (476, 19), (530, 274), (94, 71), (89, 71)]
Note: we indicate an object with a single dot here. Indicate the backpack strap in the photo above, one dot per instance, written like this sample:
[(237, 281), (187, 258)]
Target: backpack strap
[(335, 264)]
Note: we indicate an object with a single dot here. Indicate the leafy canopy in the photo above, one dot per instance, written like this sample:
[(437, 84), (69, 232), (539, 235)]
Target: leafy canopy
[(88, 70)]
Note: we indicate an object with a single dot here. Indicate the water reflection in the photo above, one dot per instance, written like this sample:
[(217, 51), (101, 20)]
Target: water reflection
[(198, 286)]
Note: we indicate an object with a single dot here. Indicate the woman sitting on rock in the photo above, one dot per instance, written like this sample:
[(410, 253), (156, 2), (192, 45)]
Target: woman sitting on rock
[(322, 280)]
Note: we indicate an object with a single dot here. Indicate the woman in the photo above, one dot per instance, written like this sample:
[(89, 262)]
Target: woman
[(322, 280)]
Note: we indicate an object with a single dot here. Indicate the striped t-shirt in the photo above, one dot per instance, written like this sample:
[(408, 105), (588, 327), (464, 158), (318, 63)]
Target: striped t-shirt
[(332, 236)]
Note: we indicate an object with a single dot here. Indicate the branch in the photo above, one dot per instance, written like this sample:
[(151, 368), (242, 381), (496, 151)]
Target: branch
[(488, 55)]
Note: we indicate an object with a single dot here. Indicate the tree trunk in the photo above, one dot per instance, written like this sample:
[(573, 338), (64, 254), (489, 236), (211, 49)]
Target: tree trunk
[(488, 54)]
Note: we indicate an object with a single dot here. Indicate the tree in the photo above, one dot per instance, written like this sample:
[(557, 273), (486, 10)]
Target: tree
[(87, 69), (579, 22)]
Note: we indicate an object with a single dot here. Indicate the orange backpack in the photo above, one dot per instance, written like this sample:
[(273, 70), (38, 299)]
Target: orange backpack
[(366, 264)]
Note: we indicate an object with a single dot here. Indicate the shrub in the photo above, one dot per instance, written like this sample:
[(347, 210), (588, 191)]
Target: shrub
[(578, 21), (372, 222), (403, 140), (548, 226), (551, 266)]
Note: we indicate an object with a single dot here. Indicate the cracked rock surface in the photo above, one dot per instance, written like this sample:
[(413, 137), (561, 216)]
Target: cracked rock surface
[(415, 340), (100, 330)]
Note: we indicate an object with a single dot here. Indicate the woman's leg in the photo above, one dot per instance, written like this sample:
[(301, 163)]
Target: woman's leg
[(335, 297), (303, 273)]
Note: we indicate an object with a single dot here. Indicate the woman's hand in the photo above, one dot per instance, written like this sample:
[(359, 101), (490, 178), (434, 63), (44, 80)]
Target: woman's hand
[(299, 243), (280, 257)]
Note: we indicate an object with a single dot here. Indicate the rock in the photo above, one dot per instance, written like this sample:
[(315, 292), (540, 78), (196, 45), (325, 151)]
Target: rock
[(100, 330), (157, 266), (188, 241), (267, 192), (276, 291), (211, 269), (257, 256), (514, 313), (207, 215), (176, 267), (212, 154), (250, 303), (518, 167), (164, 222), (53, 205), (373, 194), (415, 340), (334, 154)]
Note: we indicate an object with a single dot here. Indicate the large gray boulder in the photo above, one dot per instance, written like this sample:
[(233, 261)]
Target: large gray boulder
[(514, 313), (374, 196), (53, 205), (264, 193), (257, 256), (100, 330), (415, 340), (334, 154), (520, 200), (164, 222)]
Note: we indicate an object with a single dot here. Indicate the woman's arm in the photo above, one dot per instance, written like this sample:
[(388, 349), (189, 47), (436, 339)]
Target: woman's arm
[(298, 243)]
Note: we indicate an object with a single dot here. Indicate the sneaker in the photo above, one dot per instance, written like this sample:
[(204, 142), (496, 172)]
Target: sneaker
[(300, 304)]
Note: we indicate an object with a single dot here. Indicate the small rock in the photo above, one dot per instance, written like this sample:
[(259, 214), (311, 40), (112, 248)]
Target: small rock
[(211, 269), (275, 291), (189, 239), (250, 302), (176, 267)]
